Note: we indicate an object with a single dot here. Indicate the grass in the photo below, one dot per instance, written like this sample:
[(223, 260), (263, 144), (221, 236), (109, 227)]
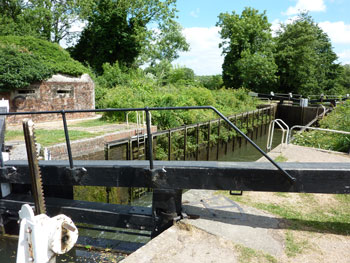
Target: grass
[(311, 212), (92, 123), (294, 247), (281, 194), (250, 255), (50, 137), (281, 159), (302, 213)]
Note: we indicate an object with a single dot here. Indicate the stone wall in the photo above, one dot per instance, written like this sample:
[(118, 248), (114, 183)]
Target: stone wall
[(58, 93)]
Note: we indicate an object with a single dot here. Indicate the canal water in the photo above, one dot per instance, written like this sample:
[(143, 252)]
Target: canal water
[(237, 151)]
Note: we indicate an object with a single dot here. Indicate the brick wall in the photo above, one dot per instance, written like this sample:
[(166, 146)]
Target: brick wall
[(58, 93)]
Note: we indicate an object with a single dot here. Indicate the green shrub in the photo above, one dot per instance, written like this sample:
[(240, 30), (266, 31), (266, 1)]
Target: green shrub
[(211, 82), (26, 59), (339, 119), (19, 68)]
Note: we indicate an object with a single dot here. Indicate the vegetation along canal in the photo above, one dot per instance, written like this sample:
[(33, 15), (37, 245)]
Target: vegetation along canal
[(235, 149)]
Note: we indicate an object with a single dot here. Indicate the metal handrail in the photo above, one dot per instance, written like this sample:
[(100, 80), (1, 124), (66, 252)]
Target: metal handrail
[(323, 113), (147, 110), (284, 139), (290, 139)]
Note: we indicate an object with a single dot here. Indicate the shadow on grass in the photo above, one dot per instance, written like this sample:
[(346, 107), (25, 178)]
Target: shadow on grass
[(266, 221)]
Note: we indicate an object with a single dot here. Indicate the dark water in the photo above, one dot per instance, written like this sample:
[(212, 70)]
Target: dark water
[(237, 151)]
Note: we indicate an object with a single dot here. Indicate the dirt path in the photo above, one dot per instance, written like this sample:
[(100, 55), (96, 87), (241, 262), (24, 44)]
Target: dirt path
[(233, 227), (296, 153), (313, 246)]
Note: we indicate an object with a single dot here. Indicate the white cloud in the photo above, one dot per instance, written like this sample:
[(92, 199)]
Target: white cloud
[(344, 56), (275, 26), (306, 5), (204, 56), (195, 13), (339, 32)]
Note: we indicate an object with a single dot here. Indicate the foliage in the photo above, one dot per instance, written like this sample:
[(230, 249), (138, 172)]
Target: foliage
[(164, 44), (248, 48), (125, 25), (25, 60), (181, 75), (19, 68), (211, 82), (305, 59), (339, 119), (142, 90), (50, 20), (160, 71), (344, 79)]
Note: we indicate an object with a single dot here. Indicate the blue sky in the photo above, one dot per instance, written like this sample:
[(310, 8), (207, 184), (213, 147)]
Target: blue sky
[(198, 18)]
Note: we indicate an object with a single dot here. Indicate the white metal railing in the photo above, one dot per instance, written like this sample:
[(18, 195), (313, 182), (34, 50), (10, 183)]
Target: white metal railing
[(323, 113), (285, 133), (313, 128), (140, 123)]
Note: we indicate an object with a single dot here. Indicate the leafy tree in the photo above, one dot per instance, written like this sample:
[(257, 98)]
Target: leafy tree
[(50, 20), (305, 59), (213, 82), (165, 44), (344, 79), (248, 48), (119, 31), (181, 75), (160, 71)]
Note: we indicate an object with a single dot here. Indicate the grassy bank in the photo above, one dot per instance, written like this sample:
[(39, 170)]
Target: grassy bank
[(339, 119)]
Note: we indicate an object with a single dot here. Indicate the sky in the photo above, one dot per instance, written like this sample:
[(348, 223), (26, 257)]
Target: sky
[(199, 17)]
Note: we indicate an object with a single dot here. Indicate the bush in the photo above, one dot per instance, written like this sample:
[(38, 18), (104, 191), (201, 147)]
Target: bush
[(339, 119), (25, 60), (211, 82), (19, 68), (141, 90)]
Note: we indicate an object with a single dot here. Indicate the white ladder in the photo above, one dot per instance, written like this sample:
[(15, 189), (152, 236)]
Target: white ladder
[(285, 133)]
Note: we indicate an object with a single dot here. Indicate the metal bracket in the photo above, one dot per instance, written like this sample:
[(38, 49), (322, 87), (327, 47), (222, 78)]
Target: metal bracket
[(7, 171), (235, 192), (158, 177), (76, 173)]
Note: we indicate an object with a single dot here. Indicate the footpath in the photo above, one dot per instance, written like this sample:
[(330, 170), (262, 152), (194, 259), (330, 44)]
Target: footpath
[(228, 231)]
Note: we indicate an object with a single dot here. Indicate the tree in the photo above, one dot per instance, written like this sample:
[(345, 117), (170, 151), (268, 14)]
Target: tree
[(48, 19), (119, 31), (344, 79), (305, 59), (165, 44), (248, 48)]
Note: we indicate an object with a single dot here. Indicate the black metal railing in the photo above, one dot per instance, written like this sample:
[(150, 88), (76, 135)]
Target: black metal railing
[(76, 170)]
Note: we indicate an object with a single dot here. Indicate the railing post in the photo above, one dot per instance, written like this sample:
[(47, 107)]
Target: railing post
[(130, 150), (185, 142), (253, 122), (149, 139), (246, 141), (169, 145), (262, 121), (106, 151), (69, 150), (218, 142), (234, 137), (197, 142), (208, 146)]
